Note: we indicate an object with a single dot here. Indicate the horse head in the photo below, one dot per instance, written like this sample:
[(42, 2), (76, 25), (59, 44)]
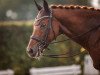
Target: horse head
[(46, 29)]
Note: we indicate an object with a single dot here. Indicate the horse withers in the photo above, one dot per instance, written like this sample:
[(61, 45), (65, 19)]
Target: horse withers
[(79, 23)]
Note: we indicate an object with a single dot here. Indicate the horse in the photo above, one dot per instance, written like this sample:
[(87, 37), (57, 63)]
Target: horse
[(80, 23)]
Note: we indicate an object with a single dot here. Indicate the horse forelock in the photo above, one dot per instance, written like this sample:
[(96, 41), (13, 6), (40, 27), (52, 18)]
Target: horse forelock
[(73, 7)]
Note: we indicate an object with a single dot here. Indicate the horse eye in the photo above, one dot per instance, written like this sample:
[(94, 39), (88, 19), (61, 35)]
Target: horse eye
[(43, 25)]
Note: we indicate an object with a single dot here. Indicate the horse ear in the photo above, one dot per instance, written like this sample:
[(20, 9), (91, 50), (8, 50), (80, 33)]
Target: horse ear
[(38, 6), (45, 6)]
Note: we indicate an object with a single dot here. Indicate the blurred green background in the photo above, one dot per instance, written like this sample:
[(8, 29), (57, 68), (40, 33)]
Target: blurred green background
[(16, 18)]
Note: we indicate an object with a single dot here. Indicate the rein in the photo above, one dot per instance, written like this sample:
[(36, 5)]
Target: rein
[(62, 55), (44, 39)]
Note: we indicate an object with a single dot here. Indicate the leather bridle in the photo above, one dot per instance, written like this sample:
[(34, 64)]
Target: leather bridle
[(43, 41)]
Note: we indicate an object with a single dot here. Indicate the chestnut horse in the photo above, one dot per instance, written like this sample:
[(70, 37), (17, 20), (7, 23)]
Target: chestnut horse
[(80, 21)]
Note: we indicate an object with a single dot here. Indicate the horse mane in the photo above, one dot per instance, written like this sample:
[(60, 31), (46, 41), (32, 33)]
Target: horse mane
[(73, 7)]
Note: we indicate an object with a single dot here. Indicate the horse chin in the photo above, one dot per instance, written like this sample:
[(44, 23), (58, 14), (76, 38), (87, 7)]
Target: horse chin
[(39, 54)]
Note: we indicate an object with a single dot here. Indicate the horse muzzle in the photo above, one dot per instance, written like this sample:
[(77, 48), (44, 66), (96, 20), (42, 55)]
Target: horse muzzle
[(35, 52)]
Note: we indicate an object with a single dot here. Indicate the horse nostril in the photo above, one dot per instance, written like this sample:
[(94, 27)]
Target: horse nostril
[(31, 50)]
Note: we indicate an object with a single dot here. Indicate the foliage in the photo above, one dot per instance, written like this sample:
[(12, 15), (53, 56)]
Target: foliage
[(13, 42), (12, 47)]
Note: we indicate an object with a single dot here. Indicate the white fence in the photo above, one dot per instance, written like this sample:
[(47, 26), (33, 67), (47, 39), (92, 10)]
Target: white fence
[(7, 72), (88, 66), (63, 70)]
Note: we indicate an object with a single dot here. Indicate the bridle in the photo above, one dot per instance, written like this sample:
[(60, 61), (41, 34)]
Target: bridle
[(44, 41)]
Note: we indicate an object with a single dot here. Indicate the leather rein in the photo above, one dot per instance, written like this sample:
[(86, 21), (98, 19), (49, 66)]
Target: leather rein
[(45, 37)]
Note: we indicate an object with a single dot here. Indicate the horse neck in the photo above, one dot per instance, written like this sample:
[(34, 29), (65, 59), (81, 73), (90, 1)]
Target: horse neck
[(75, 22)]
